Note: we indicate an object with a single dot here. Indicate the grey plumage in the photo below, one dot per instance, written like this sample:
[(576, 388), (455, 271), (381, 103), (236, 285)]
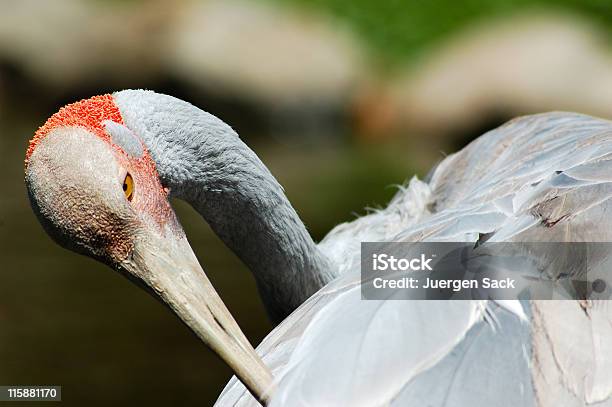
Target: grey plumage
[(539, 178)]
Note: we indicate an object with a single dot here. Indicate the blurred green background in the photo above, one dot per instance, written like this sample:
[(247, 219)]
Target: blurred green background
[(342, 99)]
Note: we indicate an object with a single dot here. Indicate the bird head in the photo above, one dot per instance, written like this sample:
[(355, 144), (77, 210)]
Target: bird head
[(94, 187)]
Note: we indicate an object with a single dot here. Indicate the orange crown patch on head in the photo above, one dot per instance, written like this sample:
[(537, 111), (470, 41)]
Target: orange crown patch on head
[(87, 113)]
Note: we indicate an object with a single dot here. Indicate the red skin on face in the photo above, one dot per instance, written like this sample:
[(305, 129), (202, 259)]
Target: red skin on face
[(90, 114), (87, 113)]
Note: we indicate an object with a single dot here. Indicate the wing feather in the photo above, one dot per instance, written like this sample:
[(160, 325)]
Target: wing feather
[(538, 178)]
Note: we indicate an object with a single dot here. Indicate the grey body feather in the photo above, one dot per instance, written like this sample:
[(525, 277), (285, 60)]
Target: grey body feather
[(539, 178)]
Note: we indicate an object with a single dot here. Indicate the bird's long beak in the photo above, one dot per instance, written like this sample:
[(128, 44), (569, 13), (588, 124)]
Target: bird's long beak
[(169, 267)]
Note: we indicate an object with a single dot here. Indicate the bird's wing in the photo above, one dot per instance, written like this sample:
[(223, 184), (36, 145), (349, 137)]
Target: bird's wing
[(488, 184), (539, 178)]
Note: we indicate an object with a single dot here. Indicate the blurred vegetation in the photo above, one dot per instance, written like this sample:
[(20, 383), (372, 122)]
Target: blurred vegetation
[(398, 30)]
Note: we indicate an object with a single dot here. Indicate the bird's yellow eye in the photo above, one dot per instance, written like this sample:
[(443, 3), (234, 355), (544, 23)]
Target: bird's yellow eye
[(128, 187)]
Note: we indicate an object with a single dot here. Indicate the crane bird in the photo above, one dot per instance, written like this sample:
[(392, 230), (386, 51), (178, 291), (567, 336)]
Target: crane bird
[(95, 189), (543, 177)]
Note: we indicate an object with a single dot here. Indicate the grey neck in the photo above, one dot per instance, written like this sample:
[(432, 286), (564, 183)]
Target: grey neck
[(203, 161)]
